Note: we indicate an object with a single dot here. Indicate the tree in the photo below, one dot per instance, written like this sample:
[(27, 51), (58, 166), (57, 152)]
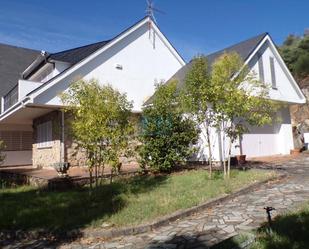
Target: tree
[(200, 95), (100, 123), (167, 134), (301, 66), (244, 100), (295, 52)]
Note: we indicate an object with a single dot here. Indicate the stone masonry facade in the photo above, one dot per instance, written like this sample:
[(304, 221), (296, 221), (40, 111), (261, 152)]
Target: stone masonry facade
[(45, 157)]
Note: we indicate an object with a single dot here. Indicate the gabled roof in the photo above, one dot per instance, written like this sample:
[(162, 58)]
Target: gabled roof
[(95, 49), (13, 61), (85, 55), (244, 49), (75, 55)]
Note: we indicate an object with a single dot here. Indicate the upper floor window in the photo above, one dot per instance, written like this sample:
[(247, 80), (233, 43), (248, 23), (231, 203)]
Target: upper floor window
[(273, 72), (261, 68)]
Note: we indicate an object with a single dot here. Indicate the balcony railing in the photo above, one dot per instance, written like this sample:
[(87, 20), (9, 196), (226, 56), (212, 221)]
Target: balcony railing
[(10, 98)]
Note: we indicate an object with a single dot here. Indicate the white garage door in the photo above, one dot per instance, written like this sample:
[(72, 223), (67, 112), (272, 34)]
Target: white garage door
[(261, 141)]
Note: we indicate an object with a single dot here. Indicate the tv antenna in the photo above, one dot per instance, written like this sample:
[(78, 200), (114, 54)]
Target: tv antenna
[(150, 10)]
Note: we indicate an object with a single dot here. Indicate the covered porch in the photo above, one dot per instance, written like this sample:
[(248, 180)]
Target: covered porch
[(17, 133)]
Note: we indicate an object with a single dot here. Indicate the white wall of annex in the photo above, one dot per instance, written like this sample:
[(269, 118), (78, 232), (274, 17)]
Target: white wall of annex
[(144, 60), (267, 140), (285, 91)]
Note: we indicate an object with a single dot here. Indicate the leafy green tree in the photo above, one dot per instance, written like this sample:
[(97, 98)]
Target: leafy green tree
[(200, 96), (100, 123), (244, 100), (226, 97), (295, 53), (301, 66), (167, 134)]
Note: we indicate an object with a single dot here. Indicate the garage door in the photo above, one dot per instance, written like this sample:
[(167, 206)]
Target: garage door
[(261, 142)]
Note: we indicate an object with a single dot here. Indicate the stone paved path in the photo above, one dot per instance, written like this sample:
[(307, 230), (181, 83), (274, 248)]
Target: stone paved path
[(227, 219)]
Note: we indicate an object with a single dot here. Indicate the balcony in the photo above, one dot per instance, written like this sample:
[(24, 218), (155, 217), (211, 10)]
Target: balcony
[(10, 98), (17, 93)]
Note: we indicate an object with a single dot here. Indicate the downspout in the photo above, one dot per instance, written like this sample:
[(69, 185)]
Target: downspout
[(62, 137)]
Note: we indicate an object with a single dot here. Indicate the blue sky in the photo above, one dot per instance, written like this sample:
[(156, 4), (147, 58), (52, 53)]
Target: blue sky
[(196, 26)]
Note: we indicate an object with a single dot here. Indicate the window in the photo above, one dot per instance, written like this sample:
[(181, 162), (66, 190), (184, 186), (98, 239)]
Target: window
[(16, 140), (261, 68), (273, 72), (44, 135)]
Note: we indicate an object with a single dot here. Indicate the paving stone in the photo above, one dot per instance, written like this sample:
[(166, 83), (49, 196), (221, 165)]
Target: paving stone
[(229, 229)]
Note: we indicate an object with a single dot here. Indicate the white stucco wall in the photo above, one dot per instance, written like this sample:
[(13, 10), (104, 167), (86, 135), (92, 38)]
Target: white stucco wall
[(144, 60), (26, 86), (285, 91), (60, 67), (267, 140)]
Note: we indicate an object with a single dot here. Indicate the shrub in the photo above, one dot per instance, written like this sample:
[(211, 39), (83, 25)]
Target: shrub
[(167, 134)]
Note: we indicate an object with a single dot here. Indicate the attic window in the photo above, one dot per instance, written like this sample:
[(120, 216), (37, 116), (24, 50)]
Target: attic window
[(273, 72), (261, 68)]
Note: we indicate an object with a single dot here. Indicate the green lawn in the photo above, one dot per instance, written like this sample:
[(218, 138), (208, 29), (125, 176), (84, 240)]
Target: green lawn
[(288, 231), (122, 203)]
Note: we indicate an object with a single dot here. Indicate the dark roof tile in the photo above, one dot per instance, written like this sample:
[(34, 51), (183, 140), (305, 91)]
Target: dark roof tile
[(75, 55), (13, 61)]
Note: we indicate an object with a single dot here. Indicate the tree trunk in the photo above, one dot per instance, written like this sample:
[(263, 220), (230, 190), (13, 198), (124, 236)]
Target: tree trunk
[(96, 175), (224, 167), (102, 173), (209, 151), (229, 160), (223, 150), (111, 176), (90, 178)]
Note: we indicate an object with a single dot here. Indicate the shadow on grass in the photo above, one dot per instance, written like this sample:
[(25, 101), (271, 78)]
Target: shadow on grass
[(288, 231), (55, 213)]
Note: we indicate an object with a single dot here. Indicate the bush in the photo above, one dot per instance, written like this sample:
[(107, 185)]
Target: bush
[(167, 135)]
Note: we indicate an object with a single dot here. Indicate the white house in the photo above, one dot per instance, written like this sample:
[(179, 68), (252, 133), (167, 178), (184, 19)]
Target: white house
[(131, 62), (262, 57)]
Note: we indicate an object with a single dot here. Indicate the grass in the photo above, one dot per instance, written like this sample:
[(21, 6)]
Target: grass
[(290, 230), (125, 202)]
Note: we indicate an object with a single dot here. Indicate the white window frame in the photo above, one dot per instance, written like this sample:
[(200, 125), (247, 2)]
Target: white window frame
[(44, 135), (273, 72), (261, 68)]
